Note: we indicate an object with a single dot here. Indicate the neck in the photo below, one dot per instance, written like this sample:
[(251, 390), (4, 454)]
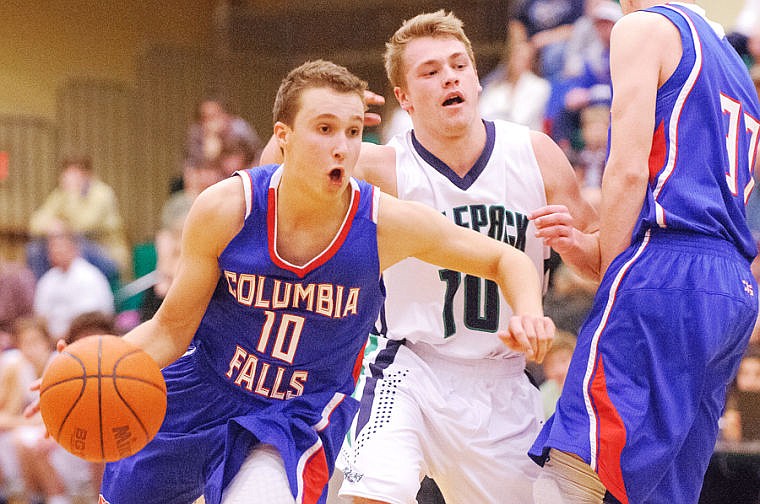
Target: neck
[(299, 200), (459, 152)]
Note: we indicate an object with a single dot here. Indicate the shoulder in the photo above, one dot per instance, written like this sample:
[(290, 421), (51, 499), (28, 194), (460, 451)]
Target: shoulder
[(546, 150), (218, 213), (99, 187), (556, 171), (374, 155), (642, 26)]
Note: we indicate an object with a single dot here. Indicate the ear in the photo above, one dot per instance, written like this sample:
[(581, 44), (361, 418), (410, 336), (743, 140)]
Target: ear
[(403, 99), (281, 131)]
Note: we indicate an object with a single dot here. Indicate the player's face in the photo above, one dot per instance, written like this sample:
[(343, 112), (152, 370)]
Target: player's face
[(325, 138), (442, 87)]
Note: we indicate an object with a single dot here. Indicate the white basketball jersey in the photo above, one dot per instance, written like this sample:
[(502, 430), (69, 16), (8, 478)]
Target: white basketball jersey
[(458, 313)]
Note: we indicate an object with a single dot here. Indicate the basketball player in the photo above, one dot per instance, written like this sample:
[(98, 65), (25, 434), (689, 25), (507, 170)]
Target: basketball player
[(438, 398), (277, 288), (638, 415)]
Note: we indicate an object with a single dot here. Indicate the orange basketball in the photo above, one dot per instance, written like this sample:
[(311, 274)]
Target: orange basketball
[(102, 398)]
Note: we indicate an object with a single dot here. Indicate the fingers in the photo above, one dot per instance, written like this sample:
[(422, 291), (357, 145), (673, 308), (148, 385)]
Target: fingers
[(530, 335), (548, 210), (371, 98), (32, 409), (372, 118)]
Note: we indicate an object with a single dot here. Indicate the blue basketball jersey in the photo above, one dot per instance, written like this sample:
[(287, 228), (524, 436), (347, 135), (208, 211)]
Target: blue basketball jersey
[(695, 184), (274, 361), (276, 330), (674, 311)]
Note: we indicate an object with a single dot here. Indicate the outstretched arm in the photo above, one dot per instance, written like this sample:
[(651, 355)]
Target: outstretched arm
[(410, 229)]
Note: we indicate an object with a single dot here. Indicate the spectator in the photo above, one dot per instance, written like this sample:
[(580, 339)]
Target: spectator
[(548, 25), (745, 28), (16, 297), (753, 203), (517, 94), (213, 128), (72, 286), (589, 160), (195, 178), (40, 467), (236, 155), (740, 419), (555, 367), (16, 374), (592, 86), (89, 207), (569, 298), (584, 43)]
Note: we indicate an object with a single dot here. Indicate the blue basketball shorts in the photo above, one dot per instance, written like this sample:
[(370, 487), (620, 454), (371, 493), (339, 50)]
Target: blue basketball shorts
[(648, 379)]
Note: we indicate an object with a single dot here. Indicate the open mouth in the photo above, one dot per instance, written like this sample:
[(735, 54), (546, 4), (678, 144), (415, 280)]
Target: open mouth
[(336, 175), (454, 100)]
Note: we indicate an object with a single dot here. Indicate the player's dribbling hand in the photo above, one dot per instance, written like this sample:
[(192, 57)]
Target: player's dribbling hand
[(372, 118), (34, 407), (554, 225), (530, 335)]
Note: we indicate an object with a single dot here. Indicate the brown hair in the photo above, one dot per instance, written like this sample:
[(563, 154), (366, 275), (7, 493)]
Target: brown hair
[(89, 324), (431, 24), (83, 161), (312, 74)]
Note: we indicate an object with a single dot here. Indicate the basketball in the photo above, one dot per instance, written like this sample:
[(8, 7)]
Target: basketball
[(102, 398)]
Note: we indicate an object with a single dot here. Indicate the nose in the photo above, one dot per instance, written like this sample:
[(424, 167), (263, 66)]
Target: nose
[(340, 148), (450, 76)]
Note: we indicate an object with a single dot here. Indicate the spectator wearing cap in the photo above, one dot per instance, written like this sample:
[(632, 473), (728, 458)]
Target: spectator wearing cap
[(548, 25), (593, 84)]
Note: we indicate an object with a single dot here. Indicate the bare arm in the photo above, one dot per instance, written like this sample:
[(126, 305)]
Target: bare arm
[(568, 224), (216, 216), (641, 43), (411, 229)]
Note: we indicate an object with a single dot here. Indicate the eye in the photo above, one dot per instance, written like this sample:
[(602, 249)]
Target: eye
[(354, 132), (324, 128)]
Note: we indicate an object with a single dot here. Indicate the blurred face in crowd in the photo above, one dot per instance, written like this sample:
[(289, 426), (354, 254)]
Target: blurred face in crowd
[(212, 116), (748, 377), (75, 179), (62, 249), (34, 346)]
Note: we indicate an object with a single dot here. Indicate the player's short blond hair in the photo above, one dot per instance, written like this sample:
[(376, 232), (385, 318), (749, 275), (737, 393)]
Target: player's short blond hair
[(431, 24), (313, 74)]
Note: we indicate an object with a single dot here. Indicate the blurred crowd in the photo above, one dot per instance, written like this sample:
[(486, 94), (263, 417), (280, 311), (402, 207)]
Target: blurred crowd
[(74, 283), (554, 76)]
